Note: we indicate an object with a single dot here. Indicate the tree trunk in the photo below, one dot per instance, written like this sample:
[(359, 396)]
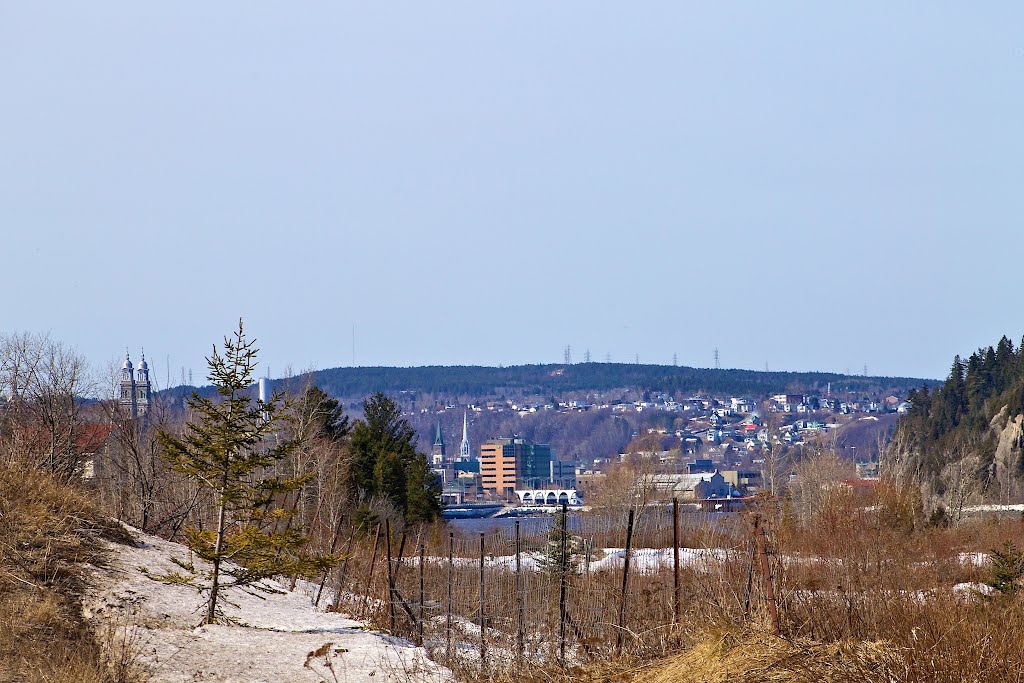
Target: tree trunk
[(211, 613)]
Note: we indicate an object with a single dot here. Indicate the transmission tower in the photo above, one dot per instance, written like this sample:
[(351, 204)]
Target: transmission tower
[(568, 355), (718, 365), (586, 356), (675, 360)]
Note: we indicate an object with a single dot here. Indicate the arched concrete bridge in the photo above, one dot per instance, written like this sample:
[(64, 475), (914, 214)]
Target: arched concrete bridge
[(548, 497)]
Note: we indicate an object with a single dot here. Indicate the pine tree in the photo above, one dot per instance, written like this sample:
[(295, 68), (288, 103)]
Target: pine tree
[(317, 415), (229, 449), (386, 466)]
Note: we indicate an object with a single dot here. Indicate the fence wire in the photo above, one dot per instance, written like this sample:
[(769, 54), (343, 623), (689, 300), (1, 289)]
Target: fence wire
[(500, 597)]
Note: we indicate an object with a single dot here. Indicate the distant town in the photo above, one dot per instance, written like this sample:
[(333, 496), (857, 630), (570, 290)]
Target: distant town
[(714, 461)]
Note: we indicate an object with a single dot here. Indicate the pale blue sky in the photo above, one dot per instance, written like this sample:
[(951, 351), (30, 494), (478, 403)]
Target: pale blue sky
[(808, 185)]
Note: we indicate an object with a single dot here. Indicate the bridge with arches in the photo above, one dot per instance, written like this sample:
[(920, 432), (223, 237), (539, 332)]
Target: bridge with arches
[(549, 497)]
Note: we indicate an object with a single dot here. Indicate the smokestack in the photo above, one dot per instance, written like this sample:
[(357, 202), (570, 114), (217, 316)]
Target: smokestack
[(262, 388)]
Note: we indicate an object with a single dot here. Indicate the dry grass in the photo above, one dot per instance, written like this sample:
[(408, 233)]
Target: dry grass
[(752, 655), (865, 591), (49, 533)]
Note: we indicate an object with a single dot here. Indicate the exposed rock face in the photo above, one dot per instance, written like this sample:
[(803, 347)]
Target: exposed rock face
[(1007, 432)]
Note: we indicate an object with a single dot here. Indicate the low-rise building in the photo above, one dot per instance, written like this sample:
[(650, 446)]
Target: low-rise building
[(691, 488)]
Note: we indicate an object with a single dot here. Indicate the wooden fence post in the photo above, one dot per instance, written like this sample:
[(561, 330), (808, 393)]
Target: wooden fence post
[(766, 573), (323, 579), (419, 629), (563, 583), (391, 578), (448, 616), (369, 572), (483, 632), (344, 567), (625, 588), (520, 626), (750, 576), (676, 595)]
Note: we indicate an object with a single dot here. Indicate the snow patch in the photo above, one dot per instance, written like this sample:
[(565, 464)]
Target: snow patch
[(279, 635)]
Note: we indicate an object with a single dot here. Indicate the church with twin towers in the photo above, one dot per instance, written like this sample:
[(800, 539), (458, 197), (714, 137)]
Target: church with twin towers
[(135, 390)]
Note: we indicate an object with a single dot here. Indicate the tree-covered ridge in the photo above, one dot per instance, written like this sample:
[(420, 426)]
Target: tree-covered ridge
[(962, 409), (549, 380)]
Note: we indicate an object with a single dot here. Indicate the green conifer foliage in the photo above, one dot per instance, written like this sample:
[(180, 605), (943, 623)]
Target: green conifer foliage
[(553, 559), (386, 466), (1007, 568), (229, 448)]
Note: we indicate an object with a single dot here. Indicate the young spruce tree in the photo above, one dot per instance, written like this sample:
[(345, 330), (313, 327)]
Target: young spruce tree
[(554, 559), (230, 448)]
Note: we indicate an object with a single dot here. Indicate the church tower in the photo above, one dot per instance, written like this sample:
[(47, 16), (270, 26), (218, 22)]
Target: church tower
[(437, 454), (142, 388), (464, 448), (126, 394), (135, 388)]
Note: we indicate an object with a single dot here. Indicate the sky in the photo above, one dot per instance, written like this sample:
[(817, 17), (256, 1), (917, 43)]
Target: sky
[(801, 185)]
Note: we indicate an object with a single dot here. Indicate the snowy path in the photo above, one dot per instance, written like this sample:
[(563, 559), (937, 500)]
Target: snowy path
[(280, 637)]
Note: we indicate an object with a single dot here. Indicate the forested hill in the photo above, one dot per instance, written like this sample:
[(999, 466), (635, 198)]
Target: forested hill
[(975, 414), (556, 380)]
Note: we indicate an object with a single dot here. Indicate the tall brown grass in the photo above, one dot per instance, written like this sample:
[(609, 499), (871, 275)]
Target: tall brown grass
[(864, 585), (49, 533)]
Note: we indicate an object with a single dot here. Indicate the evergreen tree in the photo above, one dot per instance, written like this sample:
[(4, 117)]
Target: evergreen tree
[(319, 415), (385, 464), (1006, 362), (228, 450), (552, 560), (1007, 568)]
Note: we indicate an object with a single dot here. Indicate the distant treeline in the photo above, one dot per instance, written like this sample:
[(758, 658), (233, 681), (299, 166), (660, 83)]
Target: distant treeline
[(557, 380)]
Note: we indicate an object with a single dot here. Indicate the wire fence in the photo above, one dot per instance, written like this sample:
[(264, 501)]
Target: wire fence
[(581, 587)]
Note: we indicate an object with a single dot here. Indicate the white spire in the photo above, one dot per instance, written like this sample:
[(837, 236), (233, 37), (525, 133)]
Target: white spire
[(464, 449)]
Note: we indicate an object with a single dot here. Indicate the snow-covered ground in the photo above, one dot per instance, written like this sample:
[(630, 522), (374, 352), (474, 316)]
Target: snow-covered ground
[(1013, 507), (643, 560), (279, 636), (653, 560)]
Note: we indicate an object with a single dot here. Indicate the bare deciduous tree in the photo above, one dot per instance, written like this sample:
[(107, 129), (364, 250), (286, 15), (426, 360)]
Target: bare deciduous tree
[(44, 383)]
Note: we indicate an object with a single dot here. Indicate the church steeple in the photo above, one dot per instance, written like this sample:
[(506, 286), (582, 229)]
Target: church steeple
[(464, 448), (126, 392), (437, 453), (142, 386)]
